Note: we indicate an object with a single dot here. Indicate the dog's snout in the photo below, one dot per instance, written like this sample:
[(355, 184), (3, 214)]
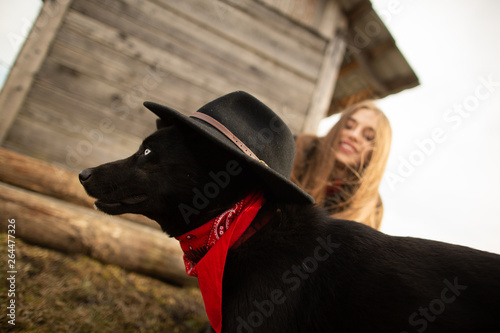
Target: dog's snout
[(85, 175)]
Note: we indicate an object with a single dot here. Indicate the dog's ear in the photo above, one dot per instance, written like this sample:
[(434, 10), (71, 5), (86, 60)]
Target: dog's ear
[(161, 123)]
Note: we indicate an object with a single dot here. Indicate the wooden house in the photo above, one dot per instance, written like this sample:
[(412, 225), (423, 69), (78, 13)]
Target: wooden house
[(74, 96)]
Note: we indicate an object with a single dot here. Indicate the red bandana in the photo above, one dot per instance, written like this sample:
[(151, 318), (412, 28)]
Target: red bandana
[(334, 187), (217, 235)]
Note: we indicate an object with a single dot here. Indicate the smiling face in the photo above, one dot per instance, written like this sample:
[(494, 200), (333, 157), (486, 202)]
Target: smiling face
[(357, 138)]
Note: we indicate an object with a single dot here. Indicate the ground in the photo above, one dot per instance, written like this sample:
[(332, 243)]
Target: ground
[(55, 292)]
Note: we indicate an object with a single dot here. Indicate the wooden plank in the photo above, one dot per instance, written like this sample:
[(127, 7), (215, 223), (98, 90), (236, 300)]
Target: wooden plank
[(193, 53), (36, 175), (301, 11), (80, 74), (109, 24), (48, 179), (110, 94), (72, 152), (102, 133), (177, 75), (64, 110), (323, 94), (29, 61), (249, 32), (70, 228), (316, 15), (100, 61), (276, 20), (55, 126), (161, 76), (277, 97), (329, 13)]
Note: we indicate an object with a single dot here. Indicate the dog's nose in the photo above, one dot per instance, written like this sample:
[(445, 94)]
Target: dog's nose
[(85, 175)]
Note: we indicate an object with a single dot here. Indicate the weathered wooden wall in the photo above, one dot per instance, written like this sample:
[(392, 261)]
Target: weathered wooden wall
[(84, 106), (321, 16)]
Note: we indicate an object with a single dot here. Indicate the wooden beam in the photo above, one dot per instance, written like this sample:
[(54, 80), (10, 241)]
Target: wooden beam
[(251, 33), (70, 228), (42, 177), (29, 61), (325, 86), (48, 179)]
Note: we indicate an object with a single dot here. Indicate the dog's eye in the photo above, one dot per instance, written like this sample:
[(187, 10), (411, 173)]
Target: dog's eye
[(147, 151)]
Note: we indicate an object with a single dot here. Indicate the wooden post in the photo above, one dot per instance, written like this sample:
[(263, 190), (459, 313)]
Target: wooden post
[(45, 178), (325, 86), (29, 61), (42, 177), (70, 228)]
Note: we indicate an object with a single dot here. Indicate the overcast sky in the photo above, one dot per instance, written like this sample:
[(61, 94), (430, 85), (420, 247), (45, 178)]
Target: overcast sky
[(442, 181)]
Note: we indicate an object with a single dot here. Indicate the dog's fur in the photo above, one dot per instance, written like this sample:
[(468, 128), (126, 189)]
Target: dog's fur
[(303, 271)]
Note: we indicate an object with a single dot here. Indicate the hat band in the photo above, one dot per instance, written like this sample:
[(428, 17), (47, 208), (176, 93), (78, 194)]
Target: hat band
[(223, 129)]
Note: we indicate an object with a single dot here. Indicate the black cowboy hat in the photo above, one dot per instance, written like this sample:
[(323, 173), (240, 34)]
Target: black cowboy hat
[(243, 125)]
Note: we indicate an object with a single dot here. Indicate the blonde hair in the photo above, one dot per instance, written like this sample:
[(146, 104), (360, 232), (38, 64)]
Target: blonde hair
[(315, 163)]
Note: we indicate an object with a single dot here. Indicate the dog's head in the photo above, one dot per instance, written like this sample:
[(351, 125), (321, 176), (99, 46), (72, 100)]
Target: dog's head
[(195, 167), (176, 178)]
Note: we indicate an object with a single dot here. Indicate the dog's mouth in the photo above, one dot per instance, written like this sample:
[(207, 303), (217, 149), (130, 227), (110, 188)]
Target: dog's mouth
[(111, 205)]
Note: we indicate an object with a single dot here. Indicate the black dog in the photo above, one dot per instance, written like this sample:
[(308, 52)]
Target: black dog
[(299, 270)]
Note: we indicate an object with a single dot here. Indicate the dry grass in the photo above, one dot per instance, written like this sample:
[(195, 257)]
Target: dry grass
[(72, 293)]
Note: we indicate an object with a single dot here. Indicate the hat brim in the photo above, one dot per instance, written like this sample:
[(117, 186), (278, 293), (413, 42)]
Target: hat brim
[(283, 189)]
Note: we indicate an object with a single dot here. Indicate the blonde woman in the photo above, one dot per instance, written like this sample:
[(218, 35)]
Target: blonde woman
[(342, 171)]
